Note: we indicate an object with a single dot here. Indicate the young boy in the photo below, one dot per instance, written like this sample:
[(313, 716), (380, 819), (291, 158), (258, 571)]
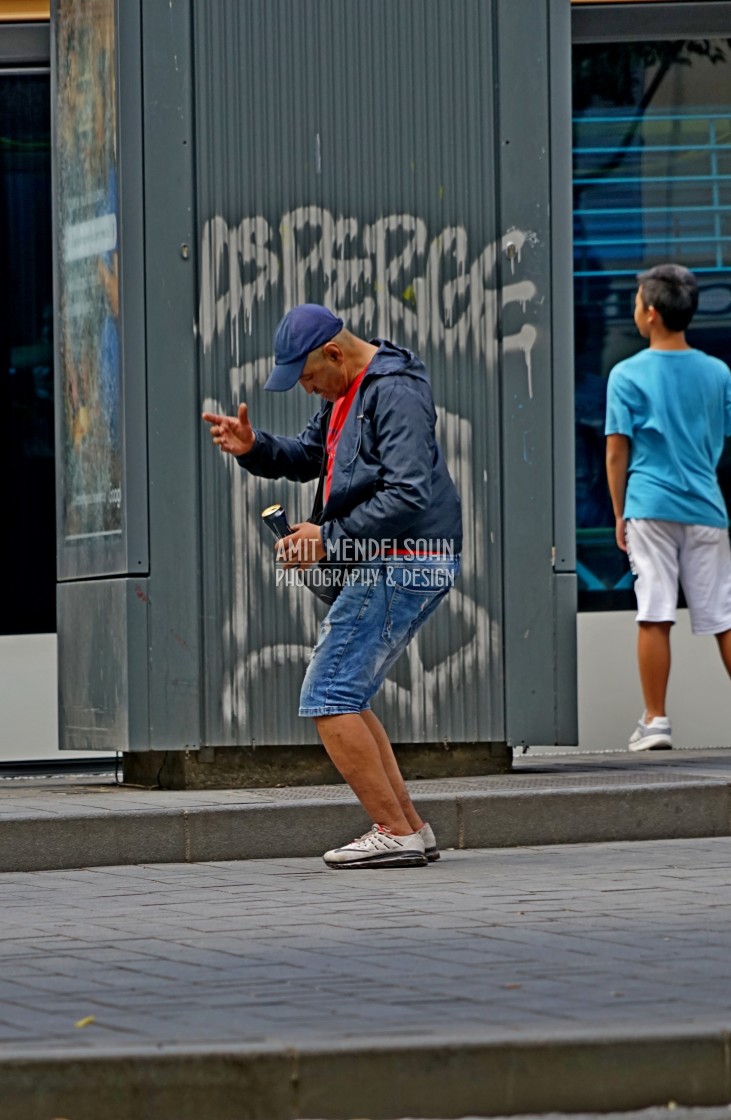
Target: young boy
[(668, 410)]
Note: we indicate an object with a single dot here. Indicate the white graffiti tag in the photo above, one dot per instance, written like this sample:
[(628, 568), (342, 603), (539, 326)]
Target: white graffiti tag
[(390, 278), (385, 275)]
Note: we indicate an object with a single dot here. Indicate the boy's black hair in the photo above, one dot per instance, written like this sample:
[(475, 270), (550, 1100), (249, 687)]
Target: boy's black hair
[(673, 291)]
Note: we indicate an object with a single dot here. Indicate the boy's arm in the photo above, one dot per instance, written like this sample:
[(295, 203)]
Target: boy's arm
[(617, 465)]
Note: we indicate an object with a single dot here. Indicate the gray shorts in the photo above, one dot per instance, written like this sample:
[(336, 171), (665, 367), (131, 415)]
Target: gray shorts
[(665, 553)]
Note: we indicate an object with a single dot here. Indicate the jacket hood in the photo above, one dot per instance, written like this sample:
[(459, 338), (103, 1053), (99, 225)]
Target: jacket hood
[(394, 359), (389, 359)]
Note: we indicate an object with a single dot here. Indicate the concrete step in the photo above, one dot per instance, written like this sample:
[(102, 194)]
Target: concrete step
[(550, 800), (378, 1078)]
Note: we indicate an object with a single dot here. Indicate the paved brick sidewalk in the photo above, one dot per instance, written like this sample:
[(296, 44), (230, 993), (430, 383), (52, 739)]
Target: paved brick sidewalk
[(486, 944)]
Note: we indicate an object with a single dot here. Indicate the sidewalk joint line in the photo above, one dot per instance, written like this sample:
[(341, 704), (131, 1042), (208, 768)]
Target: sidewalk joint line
[(186, 836), (294, 1079)]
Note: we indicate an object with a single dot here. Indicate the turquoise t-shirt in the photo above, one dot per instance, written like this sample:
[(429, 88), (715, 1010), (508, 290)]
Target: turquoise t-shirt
[(675, 407)]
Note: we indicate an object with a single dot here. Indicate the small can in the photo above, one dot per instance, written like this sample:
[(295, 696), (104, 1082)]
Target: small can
[(276, 519)]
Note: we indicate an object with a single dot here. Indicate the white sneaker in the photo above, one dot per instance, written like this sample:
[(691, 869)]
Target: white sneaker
[(430, 842), (656, 735), (378, 848)]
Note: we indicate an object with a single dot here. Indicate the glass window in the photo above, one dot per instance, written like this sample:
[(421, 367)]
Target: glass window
[(87, 206), (652, 183), (28, 555)]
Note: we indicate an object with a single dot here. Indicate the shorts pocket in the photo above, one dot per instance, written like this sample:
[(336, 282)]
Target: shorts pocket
[(405, 611)]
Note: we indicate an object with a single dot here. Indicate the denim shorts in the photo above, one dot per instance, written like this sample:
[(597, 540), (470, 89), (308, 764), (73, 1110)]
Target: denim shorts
[(368, 627)]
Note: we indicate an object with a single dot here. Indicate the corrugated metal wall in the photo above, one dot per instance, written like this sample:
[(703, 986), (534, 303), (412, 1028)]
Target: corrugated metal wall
[(345, 156)]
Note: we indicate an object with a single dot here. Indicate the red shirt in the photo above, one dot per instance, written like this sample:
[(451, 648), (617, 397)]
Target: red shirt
[(341, 408)]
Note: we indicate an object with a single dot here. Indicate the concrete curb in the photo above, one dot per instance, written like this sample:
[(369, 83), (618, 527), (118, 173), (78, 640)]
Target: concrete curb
[(594, 813), (449, 1078)]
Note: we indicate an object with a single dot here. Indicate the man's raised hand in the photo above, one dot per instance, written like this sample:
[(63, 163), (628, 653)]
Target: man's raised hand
[(232, 433)]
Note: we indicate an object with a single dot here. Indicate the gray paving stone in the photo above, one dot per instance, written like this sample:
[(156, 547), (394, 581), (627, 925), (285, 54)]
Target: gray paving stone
[(506, 947), (399, 962)]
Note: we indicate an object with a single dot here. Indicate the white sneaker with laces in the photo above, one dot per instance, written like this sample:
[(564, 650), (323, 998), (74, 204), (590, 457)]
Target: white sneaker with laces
[(378, 848), (430, 842), (656, 735)]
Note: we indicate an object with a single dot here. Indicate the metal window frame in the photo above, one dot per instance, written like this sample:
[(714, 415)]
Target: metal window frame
[(622, 23), (23, 45)]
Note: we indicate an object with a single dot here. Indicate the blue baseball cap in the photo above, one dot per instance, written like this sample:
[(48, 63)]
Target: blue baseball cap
[(301, 331)]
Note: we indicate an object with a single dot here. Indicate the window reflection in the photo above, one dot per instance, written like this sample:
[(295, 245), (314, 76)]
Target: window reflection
[(652, 183), (28, 557)]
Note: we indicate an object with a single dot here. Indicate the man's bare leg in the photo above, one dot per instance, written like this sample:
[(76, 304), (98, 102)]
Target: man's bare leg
[(724, 646), (391, 767), (653, 655), (353, 749)]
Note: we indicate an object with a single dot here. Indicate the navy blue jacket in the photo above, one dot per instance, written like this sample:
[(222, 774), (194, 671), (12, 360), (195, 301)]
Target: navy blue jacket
[(389, 478)]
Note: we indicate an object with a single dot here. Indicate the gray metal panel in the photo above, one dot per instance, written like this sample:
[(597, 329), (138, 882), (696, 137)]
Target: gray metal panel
[(562, 288), (638, 22), (102, 624), (25, 44), (370, 184), (526, 176), (132, 287), (566, 728), (177, 677), (102, 665), (345, 154)]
